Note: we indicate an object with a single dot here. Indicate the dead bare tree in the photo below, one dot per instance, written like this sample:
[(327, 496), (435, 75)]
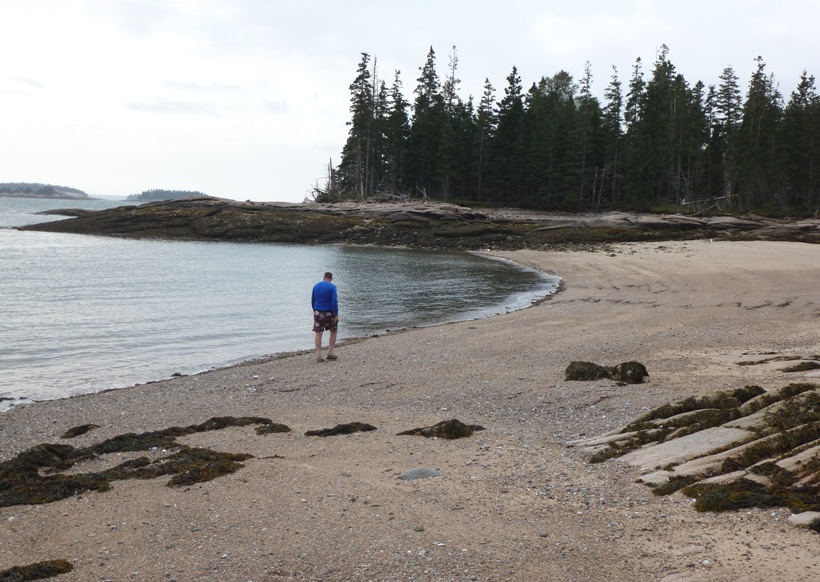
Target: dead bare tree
[(330, 191)]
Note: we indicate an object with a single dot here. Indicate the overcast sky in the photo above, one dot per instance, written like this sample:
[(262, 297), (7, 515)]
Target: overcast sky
[(248, 99)]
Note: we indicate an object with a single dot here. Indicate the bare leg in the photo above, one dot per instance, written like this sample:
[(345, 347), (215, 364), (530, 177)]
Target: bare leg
[(332, 343), (319, 345)]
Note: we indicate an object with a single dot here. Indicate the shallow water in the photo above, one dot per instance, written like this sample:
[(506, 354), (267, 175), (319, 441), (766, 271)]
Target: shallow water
[(87, 313)]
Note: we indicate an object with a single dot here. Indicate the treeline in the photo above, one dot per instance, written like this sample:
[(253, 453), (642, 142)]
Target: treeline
[(657, 143), (158, 194), (37, 189)]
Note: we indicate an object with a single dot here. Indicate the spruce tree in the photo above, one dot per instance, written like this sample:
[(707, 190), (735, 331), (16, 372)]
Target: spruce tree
[(801, 148), (485, 130), (728, 114), (589, 145), (397, 127), (611, 121), (760, 118), (635, 143), (447, 153), (508, 142), (354, 173), (425, 131)]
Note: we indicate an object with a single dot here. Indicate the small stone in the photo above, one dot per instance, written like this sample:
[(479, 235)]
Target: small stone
[(419, 473)]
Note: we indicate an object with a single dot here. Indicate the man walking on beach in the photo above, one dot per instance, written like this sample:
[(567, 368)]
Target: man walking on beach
[(325, 314)]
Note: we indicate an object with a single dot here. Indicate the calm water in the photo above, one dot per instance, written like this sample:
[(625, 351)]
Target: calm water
[(84, 313)]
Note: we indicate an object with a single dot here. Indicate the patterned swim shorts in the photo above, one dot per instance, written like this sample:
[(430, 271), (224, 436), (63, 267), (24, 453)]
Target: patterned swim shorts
[(324, 321)]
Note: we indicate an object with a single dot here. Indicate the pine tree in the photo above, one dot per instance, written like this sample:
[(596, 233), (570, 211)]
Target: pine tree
[(728, 114), (353, 171), (551, 139), (464, 120), (689, 141), (635, 142), (426, 128), (694, 140), (658, 121), (486, 124), (397, 127), (612, 136), (377, 158), (589, 144), (800, 146), (508, 142), (760, 119), (447, 153)]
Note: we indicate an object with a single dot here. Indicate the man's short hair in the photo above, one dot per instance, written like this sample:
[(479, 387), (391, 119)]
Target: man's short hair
[(329, 275)]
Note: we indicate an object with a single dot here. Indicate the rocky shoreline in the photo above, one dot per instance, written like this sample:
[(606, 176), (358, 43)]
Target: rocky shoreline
[(416, 225)]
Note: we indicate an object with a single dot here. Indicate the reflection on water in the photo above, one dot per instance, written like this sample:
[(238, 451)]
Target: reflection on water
[(386, 289)]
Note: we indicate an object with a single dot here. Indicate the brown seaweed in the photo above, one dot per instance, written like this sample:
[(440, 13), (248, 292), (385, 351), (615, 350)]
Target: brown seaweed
[(446, 429), (36, 571), (78, 430), (347, 428), (34, 476), (631, 372)]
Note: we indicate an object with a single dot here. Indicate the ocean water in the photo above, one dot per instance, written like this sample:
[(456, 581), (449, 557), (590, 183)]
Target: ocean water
[(83, 313)]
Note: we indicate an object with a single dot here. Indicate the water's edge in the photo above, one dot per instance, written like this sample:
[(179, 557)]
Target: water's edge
[(9, 404)]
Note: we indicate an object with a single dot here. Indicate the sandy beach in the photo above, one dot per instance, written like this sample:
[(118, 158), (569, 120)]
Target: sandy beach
[(513, 501)]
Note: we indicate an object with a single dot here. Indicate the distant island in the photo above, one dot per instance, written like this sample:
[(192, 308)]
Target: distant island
[(149, 195), (37, 190)]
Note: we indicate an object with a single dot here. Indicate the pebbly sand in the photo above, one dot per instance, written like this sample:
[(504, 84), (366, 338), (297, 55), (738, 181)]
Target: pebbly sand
[(514, 502)]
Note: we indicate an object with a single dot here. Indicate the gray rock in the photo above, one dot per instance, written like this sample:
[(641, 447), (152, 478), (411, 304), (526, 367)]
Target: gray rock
[(419, 473), (806, 519)]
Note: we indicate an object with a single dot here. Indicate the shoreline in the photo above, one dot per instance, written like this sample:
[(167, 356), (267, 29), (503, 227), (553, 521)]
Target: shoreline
[(514, 500), (539, 292)]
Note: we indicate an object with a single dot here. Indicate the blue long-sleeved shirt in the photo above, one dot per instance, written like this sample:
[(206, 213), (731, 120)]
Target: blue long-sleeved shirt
[(324, 297)]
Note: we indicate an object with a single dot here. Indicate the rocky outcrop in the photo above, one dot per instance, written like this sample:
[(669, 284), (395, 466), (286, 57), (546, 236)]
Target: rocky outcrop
[(731, 449), (420, 225)]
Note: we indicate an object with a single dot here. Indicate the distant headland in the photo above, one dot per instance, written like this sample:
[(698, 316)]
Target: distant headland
[(50, 191), (37, 190)]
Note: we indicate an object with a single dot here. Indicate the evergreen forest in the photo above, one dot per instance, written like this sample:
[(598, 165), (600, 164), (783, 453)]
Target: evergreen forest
[(655, 142)]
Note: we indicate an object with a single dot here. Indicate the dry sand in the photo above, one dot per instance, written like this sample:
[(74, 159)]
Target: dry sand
[(514, 502)]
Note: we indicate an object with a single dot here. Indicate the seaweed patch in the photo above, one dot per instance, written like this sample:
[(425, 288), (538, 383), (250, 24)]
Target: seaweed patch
[(36, 571), (803, 367), (627, 372), (34, 476), (745, 493), (346, 428), (78, 430), (446, 429)]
